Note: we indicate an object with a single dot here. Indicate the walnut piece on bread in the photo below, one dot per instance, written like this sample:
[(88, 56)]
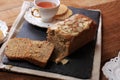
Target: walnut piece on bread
[(70, 34)]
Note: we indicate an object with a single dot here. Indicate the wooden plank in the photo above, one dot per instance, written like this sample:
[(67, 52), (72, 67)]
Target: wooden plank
[(111, 29), (9, 4), (12, 7), (18, 76), (9, 9), (8, 15), (85, 3)]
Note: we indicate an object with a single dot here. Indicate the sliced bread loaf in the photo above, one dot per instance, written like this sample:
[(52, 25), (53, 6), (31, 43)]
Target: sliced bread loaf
[(71, 34)]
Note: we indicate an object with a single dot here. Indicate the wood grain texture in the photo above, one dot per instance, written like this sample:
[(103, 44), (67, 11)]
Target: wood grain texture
[(9, 9), (8, 15), (17, 76), (111, 28), (111, 31), (84, 3)]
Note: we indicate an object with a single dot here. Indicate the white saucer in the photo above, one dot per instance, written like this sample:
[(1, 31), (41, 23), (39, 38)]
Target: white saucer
[(4, 29), (111, 69), (37, 20)]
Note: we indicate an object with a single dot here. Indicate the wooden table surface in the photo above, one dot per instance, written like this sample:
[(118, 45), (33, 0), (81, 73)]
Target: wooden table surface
[(110, 9)]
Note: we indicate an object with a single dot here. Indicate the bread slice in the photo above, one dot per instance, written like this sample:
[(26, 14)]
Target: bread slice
[(71, 34), (18, 48), (40, 52), (37, 52)]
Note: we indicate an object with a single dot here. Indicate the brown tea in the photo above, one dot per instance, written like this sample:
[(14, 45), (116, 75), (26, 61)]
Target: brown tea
[(47, 4)]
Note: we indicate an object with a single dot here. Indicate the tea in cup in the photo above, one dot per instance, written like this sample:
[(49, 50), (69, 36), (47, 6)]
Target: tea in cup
[(47, 9)]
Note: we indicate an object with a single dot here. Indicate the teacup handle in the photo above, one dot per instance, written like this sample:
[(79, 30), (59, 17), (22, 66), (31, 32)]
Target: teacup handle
[(32, 12)]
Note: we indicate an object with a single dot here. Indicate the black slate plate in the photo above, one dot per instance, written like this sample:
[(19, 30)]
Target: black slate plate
[(80, 62)]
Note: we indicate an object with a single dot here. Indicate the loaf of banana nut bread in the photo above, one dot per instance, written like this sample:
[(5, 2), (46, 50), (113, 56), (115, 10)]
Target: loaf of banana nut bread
[(37, 52), (70, 34)]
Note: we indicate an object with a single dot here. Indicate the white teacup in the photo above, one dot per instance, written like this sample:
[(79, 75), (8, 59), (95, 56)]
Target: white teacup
[(47, 14)]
